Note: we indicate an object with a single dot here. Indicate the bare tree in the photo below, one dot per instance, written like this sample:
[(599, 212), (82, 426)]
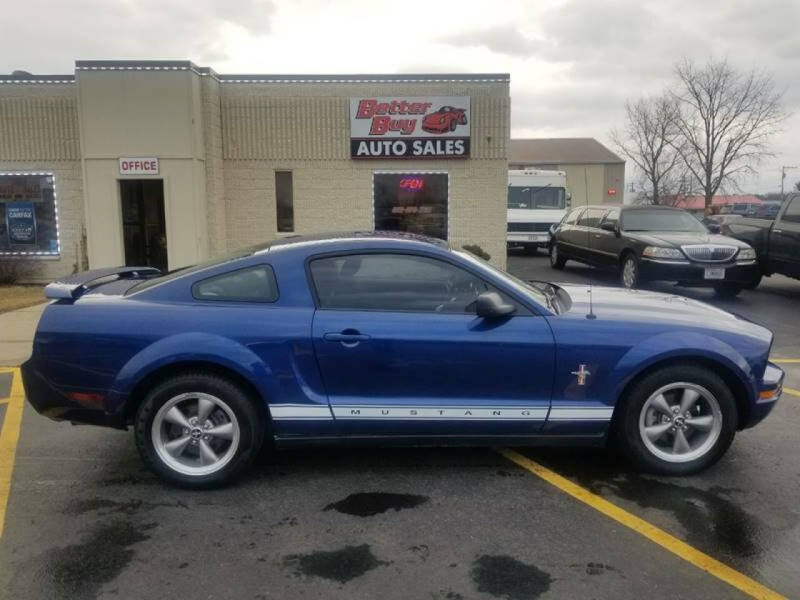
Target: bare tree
[(725, 120), (650, 140)]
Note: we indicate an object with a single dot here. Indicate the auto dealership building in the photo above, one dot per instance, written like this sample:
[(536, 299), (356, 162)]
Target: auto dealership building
[(167, 163)]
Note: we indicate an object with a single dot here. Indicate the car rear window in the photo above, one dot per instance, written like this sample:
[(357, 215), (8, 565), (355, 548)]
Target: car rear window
[(251, 284)]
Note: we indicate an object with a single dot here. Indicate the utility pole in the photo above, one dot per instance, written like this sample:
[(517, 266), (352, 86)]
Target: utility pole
[(783, 178)]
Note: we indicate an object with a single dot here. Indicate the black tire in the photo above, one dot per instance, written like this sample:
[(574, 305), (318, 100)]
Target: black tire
[(629, 261), (251, 427), (627, 420), (728, 290), (557, 260), (753, 284)]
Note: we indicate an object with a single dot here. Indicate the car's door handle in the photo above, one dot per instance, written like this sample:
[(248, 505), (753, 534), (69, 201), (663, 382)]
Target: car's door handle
[(347, 337), (777, 231), (597, 235)]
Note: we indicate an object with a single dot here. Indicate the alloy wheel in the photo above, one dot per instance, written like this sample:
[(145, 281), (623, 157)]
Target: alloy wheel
[(680, 422), (629, 273), (195, 433)]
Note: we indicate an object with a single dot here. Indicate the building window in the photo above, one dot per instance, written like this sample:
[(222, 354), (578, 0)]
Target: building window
[(413, 202), (28, 214), (284, 201)]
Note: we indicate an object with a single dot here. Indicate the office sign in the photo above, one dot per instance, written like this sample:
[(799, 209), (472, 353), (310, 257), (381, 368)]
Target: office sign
[(138, 166), (410, 127), (21, 222)]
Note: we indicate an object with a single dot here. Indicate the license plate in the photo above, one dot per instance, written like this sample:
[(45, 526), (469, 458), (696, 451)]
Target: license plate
[(538, 237), (715, 273)]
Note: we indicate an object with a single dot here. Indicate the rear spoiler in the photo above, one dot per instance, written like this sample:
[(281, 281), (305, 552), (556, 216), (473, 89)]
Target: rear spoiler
[(73, 286)]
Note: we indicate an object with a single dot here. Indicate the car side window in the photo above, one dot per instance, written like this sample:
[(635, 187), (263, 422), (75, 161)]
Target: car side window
[(591, 218), (792, 213), (251, 284), (395, 282)]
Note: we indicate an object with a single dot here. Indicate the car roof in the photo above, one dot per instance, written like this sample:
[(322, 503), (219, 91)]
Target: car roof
[(361, 236), (628, 207)]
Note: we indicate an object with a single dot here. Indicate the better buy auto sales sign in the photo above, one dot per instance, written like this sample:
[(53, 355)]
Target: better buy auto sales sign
[(410, 127)]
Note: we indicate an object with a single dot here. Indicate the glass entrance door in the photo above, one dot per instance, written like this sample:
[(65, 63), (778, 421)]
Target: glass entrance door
[(143, 222)]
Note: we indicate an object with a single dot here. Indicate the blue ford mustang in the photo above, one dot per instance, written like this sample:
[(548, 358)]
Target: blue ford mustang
[(389, 337)]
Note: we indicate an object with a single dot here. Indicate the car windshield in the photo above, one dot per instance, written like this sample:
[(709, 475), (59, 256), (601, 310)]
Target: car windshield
[(521, 286), (661, 220)]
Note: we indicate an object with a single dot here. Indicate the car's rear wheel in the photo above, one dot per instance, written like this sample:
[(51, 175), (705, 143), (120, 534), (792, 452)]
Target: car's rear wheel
[(557, 260), (198, 430), (728, 290), (678, 420), (629, 271)]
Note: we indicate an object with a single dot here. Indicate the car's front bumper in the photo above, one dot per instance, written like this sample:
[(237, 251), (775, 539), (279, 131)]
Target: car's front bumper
[(769, 392), (694, 273)]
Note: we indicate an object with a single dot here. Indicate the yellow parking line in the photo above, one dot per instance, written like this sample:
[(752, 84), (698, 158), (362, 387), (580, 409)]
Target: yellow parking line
[(791, 391), (785, 361), (654, 534), (9, 436)]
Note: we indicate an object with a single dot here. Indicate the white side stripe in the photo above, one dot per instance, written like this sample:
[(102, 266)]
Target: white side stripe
[(601, 413), (435, 413), (300, 411)]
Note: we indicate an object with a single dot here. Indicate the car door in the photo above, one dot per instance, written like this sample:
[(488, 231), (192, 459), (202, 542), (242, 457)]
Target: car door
[(784, 241), (402, 352), (606, 245), (588, 224), (568, 234)]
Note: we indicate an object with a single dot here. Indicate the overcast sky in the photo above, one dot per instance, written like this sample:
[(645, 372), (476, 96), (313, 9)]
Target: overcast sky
[(573, 63)]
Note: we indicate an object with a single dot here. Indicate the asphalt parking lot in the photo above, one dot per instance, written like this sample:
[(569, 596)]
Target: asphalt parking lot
[(84, 519)]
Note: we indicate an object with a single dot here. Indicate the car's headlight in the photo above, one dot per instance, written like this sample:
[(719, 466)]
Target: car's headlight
[(746, 254), (658, 252)]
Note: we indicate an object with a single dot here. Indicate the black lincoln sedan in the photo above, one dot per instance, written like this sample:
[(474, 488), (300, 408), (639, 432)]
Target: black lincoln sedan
[(646, 243)]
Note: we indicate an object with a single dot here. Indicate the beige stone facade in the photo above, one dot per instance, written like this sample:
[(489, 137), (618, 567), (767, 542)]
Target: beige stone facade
[(219, 141)]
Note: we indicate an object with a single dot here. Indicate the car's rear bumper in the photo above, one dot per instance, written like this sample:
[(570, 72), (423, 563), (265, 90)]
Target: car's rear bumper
[(769, 392), (693, 273), (52, 403)]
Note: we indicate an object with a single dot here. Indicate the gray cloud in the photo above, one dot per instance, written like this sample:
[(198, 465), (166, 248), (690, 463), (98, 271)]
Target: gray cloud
[(138, 29), (501, 39)]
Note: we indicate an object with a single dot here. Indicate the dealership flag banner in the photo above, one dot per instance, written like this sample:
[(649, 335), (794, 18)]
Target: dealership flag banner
[(21, 222), (410, 127)]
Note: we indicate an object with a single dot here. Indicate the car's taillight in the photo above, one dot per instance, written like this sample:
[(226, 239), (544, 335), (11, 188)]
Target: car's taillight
[(87, 399)]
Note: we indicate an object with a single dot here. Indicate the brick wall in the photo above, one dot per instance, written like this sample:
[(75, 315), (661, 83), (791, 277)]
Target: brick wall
[(304, 128)]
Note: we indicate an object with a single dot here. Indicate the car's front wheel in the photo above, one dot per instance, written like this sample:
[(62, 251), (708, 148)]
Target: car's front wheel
[(557, 260), (198, 430), (677, 420)]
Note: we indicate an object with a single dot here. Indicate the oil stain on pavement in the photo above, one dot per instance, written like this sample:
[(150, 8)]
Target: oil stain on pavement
[(368, 504), (79, 571), (337, 565), (506, 577)]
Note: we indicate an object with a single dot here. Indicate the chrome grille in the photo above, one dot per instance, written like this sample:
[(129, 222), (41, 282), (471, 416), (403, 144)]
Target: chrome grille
[(709, 252)]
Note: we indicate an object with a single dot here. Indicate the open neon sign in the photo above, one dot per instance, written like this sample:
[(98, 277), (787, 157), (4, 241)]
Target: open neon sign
[(412, 184)]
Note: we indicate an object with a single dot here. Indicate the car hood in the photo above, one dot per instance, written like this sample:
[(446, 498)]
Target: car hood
[(653, 307), (677, 238)]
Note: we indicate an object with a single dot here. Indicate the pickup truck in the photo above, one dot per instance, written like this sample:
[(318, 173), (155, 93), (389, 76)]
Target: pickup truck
[(777, 243)]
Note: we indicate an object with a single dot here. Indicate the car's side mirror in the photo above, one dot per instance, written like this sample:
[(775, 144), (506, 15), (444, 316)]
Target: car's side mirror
[(609, 226), (490, 305), (714, 228)]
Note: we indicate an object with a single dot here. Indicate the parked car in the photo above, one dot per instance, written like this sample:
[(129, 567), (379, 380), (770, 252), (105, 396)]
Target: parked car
[(647, 243), (447, 118), (389, 338), (777, 243)]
